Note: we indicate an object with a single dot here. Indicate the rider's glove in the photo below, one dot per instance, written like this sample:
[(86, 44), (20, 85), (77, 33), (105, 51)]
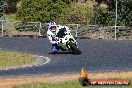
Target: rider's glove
[(54, 38)]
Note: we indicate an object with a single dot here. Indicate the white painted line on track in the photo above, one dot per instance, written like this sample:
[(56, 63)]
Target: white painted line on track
[(41, 60)]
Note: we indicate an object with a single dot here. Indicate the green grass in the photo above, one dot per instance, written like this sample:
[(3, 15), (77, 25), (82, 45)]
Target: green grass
[(8, 58), (69, 84)]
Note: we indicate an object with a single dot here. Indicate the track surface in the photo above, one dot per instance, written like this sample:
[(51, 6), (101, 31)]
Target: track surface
[(97, 55)]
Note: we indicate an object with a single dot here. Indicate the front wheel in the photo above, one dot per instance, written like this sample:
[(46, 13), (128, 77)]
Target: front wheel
[(74, 48)]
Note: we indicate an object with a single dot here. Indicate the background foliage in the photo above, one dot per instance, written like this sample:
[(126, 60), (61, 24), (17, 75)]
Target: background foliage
[(78, 13), (40, 10), (71, 11), (106, 16)]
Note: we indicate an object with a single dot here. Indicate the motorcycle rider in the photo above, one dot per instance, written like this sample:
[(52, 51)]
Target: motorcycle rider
[(54, 33)]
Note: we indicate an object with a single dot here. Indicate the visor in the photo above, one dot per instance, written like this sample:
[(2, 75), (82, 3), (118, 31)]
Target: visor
[(53, 28)]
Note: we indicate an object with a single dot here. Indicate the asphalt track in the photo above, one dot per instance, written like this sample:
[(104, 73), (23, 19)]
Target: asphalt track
[(97, 55)]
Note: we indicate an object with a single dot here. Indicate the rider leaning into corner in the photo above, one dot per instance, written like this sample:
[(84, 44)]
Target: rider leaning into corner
[(52, 33)]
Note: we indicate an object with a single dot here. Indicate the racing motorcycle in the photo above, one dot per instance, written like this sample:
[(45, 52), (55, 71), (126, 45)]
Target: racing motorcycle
[(66, 42)]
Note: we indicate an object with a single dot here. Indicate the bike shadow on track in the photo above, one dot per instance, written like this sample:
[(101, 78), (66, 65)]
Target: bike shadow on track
[(62, 53)]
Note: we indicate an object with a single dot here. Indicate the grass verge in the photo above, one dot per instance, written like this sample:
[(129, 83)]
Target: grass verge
[(8, 59), (68, 84), (58, 80)]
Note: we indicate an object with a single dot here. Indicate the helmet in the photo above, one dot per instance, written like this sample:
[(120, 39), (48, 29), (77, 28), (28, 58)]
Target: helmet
[(52, 26)]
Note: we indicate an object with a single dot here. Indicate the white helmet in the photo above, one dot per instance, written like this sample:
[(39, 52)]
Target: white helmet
[(52, 26)]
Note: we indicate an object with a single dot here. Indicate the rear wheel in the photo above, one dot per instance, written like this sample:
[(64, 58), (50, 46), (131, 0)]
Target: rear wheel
[(74, 48)]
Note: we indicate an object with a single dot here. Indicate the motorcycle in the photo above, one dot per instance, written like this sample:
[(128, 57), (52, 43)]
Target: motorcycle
[(66, 42)]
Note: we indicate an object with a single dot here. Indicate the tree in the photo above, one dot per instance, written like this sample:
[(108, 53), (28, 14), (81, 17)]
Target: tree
[(67, 1), (1, 8), (100, 14), (78, 13), (125, 12), (11, 6), (107, 16), (40, 10)]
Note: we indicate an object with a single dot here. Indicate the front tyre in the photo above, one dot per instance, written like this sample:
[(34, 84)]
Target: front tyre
[(74, 48)]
